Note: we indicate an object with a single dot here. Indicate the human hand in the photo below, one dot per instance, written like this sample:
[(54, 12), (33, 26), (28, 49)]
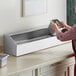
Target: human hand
[(54, 26), (63, 24), (59, 23)]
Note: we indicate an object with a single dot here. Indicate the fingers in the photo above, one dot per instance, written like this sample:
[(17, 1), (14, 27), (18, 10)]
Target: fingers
[(52, 23), (62, 23), (53, 26)]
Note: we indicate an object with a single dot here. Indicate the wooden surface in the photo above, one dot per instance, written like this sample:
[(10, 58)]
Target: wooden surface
[(37, 59)]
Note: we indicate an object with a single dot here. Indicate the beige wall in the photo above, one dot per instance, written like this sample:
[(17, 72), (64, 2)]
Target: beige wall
[(10, 19)]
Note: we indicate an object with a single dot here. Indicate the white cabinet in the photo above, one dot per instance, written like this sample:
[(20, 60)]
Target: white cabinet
[(62, 68), (27, 73), (24, 73), (71, 71), (13, 74)]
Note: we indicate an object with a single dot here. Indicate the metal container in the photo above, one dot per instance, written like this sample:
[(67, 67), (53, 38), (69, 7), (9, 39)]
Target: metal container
[(20, 43), (3, 60)]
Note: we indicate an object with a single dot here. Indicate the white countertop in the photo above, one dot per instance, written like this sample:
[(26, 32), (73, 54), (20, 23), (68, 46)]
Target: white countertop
[(37, 59)]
